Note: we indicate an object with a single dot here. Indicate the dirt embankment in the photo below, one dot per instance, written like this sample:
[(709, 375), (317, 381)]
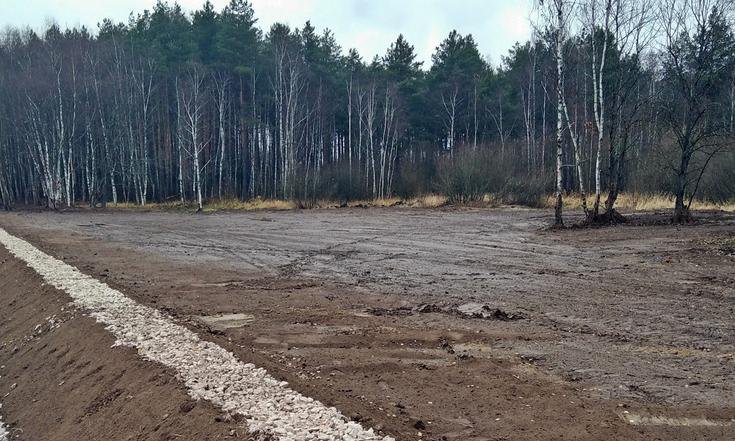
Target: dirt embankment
[(60, 380)]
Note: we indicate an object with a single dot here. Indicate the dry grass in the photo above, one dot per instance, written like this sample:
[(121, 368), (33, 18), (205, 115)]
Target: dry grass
[(378, 203), (425, 201), (428, 201), (132, 206), (249, 205), (641, 202), (210, 206), (626, 201)]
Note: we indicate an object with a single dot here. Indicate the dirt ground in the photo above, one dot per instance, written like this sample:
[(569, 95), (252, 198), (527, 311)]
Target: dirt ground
[(59, 379), (361, 309)]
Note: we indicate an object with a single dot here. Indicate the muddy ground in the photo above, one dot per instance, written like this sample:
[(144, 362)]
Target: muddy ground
[(584, 329), (60, 380)]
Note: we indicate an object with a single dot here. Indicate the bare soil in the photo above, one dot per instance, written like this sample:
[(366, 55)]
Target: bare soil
[(60, 380), (359, 308)]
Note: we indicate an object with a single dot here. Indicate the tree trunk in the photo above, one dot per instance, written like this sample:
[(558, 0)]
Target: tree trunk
[(558, 219)]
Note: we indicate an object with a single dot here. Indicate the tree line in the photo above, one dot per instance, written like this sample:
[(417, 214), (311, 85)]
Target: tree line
[(607, 95)]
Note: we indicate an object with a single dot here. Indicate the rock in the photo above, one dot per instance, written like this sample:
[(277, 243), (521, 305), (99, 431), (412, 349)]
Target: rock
[(402, 311), (444, 344), (478, 310), (428, 307), (187, 406)]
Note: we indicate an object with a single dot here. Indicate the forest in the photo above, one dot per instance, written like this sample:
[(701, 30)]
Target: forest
[(607, 96)]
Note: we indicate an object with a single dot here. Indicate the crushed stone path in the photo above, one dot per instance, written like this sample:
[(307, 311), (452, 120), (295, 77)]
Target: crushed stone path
[(208, 371), (3, 431)]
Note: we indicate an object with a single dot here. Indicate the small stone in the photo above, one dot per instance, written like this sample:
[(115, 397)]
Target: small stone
[(187, 406)]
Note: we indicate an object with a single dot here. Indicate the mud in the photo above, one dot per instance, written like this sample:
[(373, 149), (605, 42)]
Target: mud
[(635, 318)]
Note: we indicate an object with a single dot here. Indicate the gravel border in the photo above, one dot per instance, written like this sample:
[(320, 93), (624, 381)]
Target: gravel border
[(3, 431), (207, 370)]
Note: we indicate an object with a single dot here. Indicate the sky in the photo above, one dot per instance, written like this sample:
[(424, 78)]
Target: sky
[(368, 25)]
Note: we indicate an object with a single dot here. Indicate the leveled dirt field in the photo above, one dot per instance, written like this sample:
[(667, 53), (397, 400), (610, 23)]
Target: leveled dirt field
[(457, 324)]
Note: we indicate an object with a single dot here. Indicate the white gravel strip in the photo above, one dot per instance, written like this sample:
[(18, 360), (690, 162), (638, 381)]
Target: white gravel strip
[(208, 371), (3, 432)]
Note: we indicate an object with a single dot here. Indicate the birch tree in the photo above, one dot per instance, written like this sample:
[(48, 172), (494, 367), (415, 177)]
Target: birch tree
[(599, 56), (557, 14), (192, 104)]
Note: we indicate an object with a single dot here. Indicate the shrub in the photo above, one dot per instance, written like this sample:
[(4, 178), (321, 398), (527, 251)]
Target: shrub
[(463, 177), (529, 191)]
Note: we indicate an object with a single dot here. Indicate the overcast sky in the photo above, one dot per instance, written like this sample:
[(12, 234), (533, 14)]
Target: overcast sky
[(368, 25)]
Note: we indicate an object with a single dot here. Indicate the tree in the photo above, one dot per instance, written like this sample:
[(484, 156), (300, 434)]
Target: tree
[(400, 61), (203, 105), (166, 32), (193, 102), (619, 33), (205, 28), (558, 13), (453, 79), (699, 55)]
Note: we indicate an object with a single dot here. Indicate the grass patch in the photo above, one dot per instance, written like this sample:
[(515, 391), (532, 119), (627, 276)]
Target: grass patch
[(378, 203), (426, 201), (132, 206), (626, 201), (249, 205), (640, 202)]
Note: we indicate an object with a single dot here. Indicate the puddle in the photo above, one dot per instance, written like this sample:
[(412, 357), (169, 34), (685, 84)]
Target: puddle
[(660, 420), (226, 321), (218, 284)]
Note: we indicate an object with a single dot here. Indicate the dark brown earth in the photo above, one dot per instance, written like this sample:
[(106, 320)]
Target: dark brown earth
[(60, 380), (635, 318)]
